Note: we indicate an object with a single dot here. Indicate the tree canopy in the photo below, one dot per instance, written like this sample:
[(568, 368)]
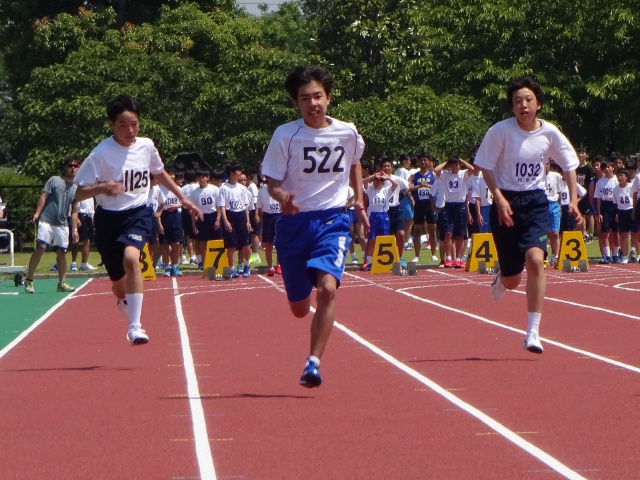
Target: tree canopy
[(413, 75)]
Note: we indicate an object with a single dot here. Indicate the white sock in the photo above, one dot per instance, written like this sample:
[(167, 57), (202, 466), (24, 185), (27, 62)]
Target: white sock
[(369, 259), (134, 301), (606, 251), (199, 258), (533, 321), (314, 359)]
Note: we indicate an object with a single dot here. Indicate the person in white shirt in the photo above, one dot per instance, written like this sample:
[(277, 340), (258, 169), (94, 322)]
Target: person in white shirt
[(455, 214), (512, 157), (405, 171), (190, 184), (171, 238), (269, 212), (606, 213), (377, 197), (155, 202), (396, 217), (86, 210), (205, 196), (116, 173), (308, 165), (553, 188), (623, 198), (233, 210), (483, 201)]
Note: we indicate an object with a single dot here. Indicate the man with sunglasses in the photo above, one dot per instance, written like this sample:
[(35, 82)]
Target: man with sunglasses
[(54, 206)]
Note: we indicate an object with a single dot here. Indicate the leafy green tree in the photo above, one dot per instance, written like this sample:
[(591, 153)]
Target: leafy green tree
[(416, 120)]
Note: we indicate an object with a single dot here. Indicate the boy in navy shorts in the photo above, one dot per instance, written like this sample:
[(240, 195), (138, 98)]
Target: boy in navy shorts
[(308, 165), (205, 196), (512, 157), (269, 213), (117, 173)]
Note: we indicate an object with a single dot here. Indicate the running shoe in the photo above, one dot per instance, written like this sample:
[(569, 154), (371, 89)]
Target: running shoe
[(74, 267), (137, 336), (368, 269), (615, 259), (28, 286), (200, 266), (254, 259), (497, 289), (175, 271), (624, 260), (278, 269), (234, 273), (364, 266), (167, 271), (603, 260), (448, 263), (65, 287), (532, 342), (311, 377), (123, 307), (54, 268), (271, 272), (633, 259), (434, 258), (459, 264), (441, 264), (403, 264), (87, 266), (416, 260), (610, 260), (246, 271), (184, 261)]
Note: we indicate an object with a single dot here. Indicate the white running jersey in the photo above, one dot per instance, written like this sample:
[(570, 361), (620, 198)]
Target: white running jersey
[(266, 203), (482, 192), (87, 207), (439, 192), (156, 198), (206, 198), (564, 193), (170, 199), (517, 157), (622, 197), (403, 173), (314, 163), (130, 166), (604, 188), (553, 186), (253, 190), (378, 199), (403, 185), (235, 198), (456, 185), (635, 186)]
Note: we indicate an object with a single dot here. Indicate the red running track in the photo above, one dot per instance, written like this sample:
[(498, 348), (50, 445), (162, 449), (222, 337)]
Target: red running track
[(424, 377)]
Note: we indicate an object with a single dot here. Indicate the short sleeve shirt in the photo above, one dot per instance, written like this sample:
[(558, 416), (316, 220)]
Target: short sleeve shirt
[(57, 208), (314, 163)]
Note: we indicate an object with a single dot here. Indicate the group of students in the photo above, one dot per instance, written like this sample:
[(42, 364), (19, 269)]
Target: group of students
[(235, 211), (446, 203), (309, 165)]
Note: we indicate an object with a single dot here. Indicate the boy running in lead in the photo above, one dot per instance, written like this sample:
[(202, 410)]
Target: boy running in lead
[(512, 157), (117, 172), (308, 165)]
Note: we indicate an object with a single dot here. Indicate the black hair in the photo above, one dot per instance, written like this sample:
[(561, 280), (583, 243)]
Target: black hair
[(68, 160), (524, 82), (217, 175), (190, 175), (367, 165), (202, 172), (234, 167), (119, 104), (623, 170), (604, 163), (554, 166), (403, 157), (453, 160), (300, 76), (170, 169)]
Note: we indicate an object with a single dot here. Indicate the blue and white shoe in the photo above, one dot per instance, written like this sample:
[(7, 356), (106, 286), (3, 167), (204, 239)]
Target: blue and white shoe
[(403, 264), (246, 271), (240, 268), (200, 266), (311, 377), (175, 271), (167, 271), (234, 273), (54, 268), (74, 267)]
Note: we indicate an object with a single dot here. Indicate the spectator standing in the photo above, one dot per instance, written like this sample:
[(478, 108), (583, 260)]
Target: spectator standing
[(54, 207)]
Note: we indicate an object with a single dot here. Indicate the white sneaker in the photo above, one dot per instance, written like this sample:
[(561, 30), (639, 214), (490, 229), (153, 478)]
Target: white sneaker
[(184, 261), (434, 258), (137, 336), (123, 307), (624, 260), (87, 266), (532, 342), (416, 260), (497, 289)]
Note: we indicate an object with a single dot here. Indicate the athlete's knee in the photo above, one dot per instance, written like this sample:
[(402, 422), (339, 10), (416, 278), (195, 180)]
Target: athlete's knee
[(301, 308)]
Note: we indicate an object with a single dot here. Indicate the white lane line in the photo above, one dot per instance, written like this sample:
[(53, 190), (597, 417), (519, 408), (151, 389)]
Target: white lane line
[(517, 330), (203, 449), (39, 322), (487, 420)]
